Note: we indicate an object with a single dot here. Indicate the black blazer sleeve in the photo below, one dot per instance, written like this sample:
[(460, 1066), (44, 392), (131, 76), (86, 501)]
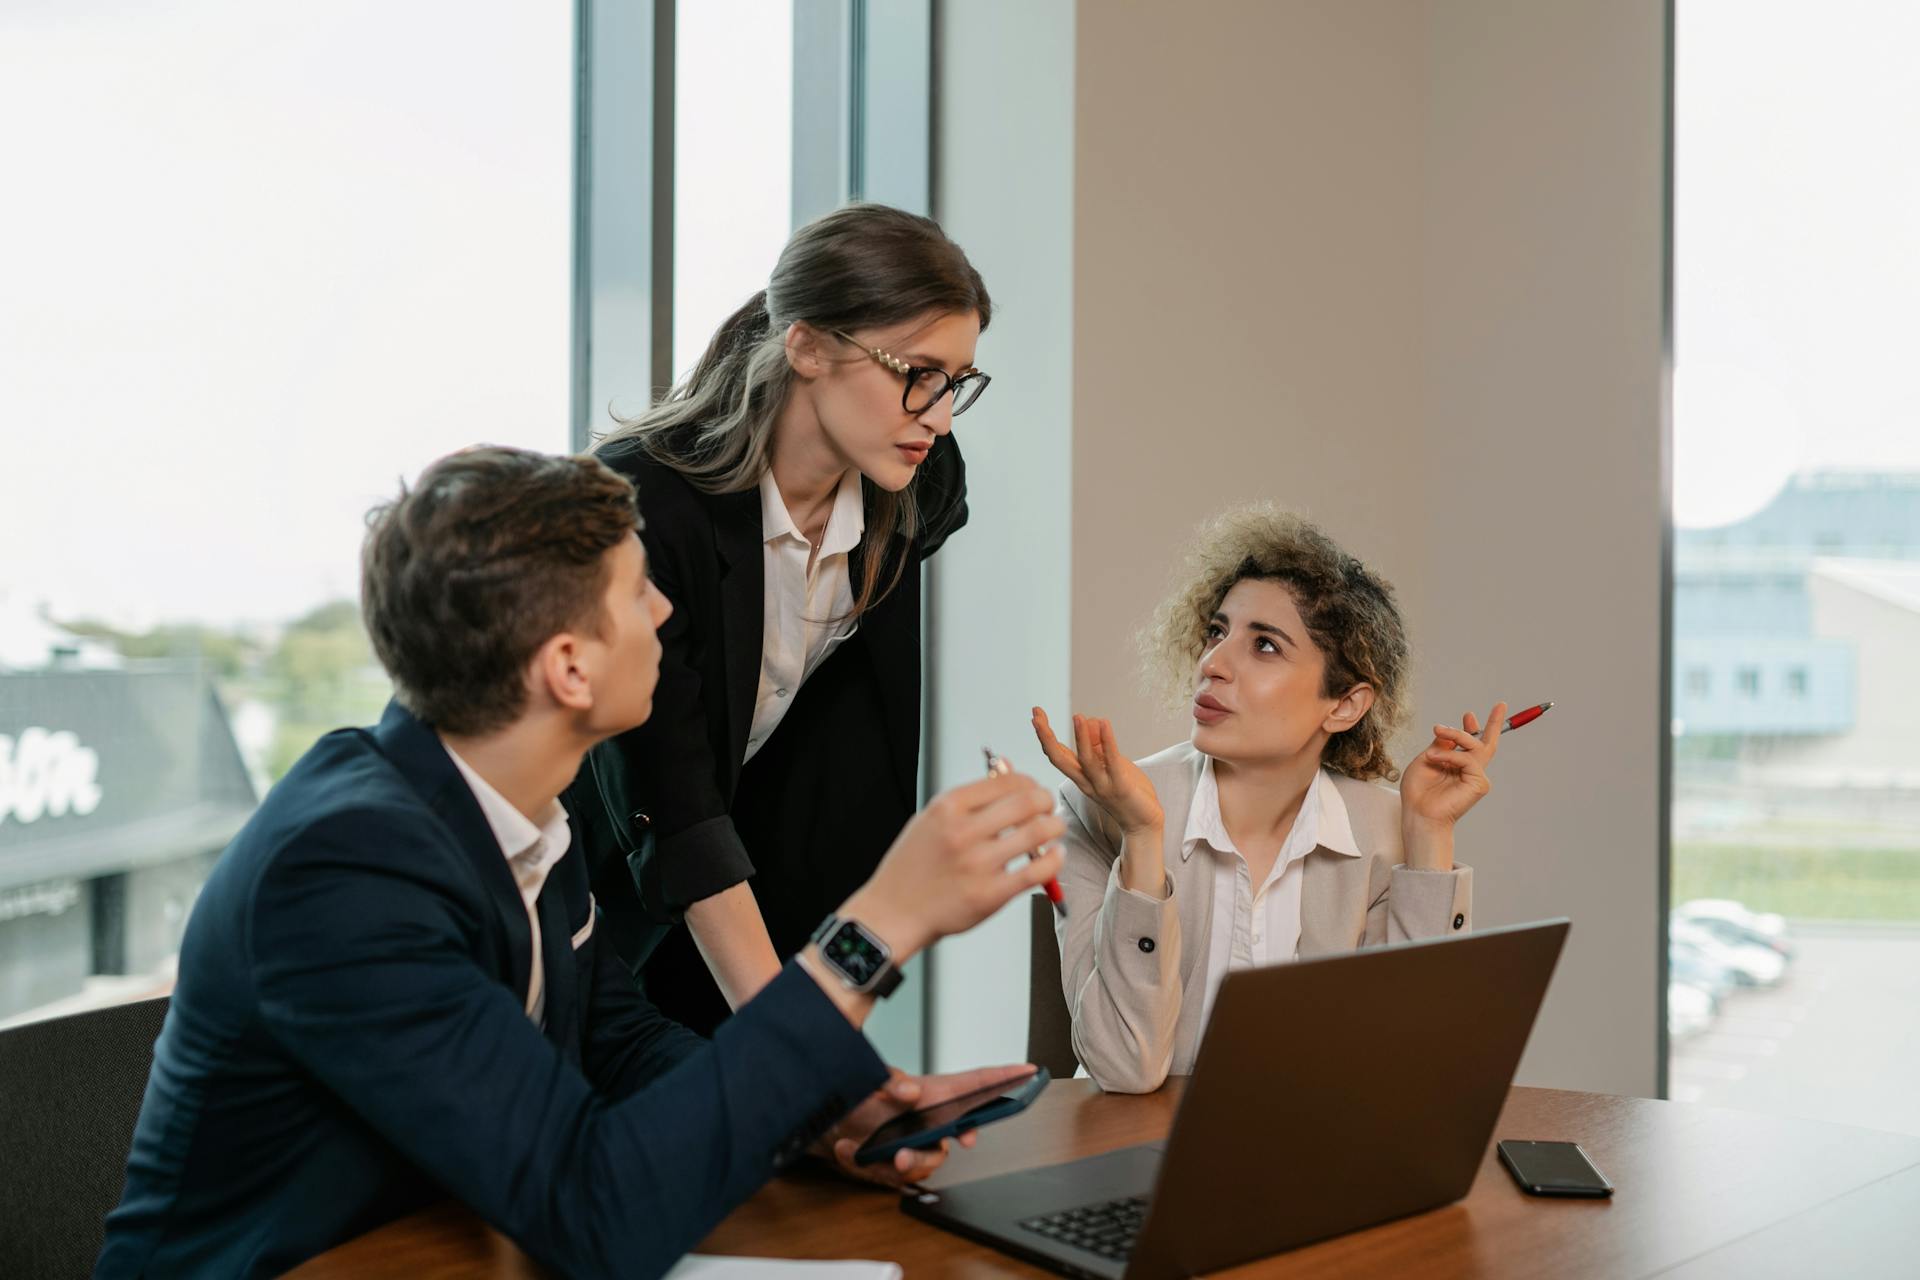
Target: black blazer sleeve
[(364, 972), (661, 782)]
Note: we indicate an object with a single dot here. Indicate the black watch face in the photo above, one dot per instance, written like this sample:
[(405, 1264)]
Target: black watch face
[(853, 952)]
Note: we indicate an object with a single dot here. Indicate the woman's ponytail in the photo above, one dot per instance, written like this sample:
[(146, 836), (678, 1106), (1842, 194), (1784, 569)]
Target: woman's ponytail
[(731, 343), (715, 426)]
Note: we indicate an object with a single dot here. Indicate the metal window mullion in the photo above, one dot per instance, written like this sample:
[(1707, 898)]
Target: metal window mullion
[(622, 314)]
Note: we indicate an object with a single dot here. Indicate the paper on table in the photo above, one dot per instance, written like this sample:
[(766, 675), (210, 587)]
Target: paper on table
[(700, 1266)]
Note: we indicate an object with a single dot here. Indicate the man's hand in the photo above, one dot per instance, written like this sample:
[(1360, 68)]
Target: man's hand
[(949, 869), (903, 1093)]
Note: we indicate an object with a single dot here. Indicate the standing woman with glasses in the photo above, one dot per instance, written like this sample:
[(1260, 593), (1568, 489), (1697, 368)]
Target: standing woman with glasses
[(791, 486)]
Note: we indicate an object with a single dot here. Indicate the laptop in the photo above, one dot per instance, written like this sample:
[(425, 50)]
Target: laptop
[(1328, 1095)]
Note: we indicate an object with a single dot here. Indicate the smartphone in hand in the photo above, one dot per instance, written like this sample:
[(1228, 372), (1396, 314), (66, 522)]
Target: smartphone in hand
[(927, 1126)]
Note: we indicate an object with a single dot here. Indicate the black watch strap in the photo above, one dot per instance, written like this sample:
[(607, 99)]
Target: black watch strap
[(863, 962), (888, 982)]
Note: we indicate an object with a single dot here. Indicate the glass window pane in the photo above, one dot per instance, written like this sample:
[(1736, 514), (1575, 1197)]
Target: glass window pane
[(1796, 798), (732, 163), (261, 262)]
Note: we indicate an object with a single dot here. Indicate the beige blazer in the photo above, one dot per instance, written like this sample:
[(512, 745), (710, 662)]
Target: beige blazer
[(1135, 967)]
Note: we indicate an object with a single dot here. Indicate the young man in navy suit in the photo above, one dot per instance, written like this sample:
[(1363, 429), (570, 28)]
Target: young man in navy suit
[(391, 990)]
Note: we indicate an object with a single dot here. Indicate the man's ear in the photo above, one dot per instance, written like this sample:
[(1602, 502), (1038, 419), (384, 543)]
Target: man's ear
[(806, 350), (559, 671), (1346, 713)]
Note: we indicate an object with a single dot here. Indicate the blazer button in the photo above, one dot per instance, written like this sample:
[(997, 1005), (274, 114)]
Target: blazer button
[(640, 821), (1146, 944), (1460, 922)]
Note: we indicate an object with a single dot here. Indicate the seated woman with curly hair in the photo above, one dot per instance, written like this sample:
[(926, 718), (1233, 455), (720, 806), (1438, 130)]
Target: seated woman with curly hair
[(1266, 836)]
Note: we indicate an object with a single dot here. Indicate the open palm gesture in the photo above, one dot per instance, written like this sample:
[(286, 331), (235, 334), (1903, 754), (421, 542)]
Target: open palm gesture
[(1104, 775)]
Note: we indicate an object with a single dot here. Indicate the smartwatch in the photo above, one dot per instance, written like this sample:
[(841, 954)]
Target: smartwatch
[(863, 962)]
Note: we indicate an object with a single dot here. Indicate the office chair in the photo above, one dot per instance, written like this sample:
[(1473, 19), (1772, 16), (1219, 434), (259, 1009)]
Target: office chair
[(70, 1091), (1049, 1024)]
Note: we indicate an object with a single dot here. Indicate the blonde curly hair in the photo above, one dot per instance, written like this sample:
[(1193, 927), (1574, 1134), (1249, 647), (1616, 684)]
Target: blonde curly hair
[(1349, 611)]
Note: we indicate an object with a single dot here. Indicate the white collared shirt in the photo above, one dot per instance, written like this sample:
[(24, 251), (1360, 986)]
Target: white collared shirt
[(531, 851), (805, 614), (1260, 926)]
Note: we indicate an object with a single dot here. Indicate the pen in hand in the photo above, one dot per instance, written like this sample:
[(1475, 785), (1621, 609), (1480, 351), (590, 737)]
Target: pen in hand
[(1518, 720), (1521, 718), (997, 765)]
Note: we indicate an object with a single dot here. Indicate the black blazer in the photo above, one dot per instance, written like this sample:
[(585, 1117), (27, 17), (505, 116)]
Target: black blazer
[(807, 821), (348, 1039)]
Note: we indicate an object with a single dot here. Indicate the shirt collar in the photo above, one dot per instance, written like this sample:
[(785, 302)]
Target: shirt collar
[(846, 524), (531, 848), (775, 520), (1203, 816), (1336, 826), (1324, 806)]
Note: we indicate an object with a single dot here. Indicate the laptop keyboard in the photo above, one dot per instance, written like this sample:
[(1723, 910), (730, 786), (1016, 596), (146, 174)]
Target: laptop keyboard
[(1107, 1228)]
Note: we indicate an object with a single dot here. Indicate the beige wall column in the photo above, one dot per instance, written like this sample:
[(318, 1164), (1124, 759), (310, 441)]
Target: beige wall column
[(1400, 265)]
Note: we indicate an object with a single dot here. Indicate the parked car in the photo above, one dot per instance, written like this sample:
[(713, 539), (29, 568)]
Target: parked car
[(1690, 1010), (1688, 963), (1753, 964), (1733, 923)]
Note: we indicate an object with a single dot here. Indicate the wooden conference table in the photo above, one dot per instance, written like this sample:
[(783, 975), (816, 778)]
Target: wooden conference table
[(1701, 1192)]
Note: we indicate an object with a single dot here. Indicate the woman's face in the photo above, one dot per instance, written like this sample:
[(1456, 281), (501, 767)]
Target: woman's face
[(858, 400), (1257, 688)]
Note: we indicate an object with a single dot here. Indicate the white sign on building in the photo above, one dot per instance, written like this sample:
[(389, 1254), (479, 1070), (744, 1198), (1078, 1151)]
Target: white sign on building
[(46, 773)]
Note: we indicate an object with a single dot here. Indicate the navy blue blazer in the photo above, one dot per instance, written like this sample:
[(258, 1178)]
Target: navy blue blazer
[(348, 1040)]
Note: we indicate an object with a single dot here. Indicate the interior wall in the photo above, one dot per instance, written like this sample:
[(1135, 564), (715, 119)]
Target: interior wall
[(1247, 314), (1544, 341), (1397, 264)]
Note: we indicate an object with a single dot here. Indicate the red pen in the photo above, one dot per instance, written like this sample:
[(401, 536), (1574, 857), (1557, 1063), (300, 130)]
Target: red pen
[(997, 765), (1520, 718)]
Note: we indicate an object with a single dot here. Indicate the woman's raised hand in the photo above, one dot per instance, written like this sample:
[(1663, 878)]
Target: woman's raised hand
[(1104, 775), (1440, 784)]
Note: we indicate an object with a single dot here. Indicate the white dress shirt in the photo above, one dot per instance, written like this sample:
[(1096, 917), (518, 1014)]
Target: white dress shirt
[(804, 618), (1265, 921), (531, 851)]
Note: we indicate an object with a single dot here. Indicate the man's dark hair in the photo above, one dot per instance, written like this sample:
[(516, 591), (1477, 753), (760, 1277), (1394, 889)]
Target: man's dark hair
[(490, 555)]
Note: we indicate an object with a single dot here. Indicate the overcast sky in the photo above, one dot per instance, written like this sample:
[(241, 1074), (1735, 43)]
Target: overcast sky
[(1797, 229), (260, 261)]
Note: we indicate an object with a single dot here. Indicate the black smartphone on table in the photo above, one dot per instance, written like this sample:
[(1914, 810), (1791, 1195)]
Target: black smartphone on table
[(1553, 1169), (927, 1126)]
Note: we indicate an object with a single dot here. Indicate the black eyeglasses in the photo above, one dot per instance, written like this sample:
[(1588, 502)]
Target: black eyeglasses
[(925, 384)]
